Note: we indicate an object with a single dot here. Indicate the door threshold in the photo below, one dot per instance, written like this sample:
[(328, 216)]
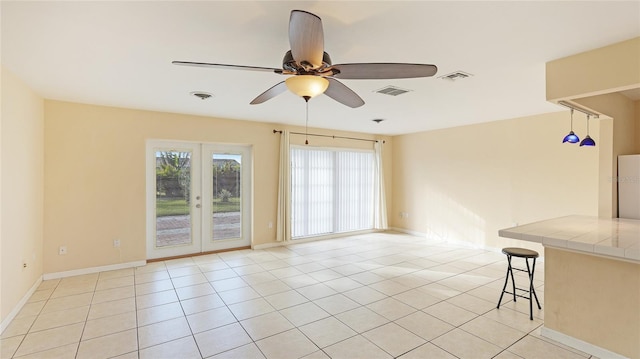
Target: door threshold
[(197, 254)]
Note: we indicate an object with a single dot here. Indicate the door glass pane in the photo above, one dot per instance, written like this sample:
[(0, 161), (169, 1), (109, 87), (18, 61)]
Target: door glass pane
[(226, 202), (173, 187)]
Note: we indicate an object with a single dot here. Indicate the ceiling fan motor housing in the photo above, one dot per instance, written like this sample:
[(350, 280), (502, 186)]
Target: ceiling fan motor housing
[(289, 64)]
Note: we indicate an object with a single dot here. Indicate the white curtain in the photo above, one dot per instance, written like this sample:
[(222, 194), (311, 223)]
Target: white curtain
[(380, 201), (283, 225)]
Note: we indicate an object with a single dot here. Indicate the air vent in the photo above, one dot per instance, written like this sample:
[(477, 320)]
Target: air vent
[(454, 76), (202, 95), (391, 91)]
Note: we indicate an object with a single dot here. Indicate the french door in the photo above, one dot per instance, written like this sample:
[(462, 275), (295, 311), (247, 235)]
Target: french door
[(198, 197)]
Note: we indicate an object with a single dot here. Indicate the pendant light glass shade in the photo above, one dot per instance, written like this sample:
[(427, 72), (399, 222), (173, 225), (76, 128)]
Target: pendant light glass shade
[(307, 85), (571, 137), (587, 141)]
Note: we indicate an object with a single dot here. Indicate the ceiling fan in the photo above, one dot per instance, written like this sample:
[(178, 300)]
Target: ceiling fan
[(311, 68)]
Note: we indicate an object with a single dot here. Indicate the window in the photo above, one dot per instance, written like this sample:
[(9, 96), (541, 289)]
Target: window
[(332, 191)]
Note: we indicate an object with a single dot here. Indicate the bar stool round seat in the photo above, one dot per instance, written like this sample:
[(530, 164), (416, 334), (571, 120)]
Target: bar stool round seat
[(526, 254), (520, 252)]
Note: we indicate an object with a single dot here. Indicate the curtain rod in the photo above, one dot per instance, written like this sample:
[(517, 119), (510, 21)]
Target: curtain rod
[(330, 136)]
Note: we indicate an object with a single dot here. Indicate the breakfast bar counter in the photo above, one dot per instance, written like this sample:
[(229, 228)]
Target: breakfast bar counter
[(591, 282)]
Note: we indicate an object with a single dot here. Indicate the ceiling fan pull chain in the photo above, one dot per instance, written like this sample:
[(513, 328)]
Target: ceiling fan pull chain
[(306, 128)]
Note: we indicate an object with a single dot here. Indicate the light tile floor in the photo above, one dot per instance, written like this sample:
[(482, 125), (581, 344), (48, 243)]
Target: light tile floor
[(380, 295)]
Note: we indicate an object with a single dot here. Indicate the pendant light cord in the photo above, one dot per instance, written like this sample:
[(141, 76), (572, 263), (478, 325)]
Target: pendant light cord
[(571, 119)]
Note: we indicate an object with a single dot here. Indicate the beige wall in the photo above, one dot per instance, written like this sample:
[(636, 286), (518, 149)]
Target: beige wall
[(608, 69), (466, 183), (2, 316), (637, 112), (589, 79), (572, 306), (593, 299), (22, 163), (95, 177), (624, 127)]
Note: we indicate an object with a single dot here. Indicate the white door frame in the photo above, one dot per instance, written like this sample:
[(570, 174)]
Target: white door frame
[(201, 190)]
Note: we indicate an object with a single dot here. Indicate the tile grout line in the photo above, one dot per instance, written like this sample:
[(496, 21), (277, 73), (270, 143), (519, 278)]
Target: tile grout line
[(84, 326), (135, 307), (34, 321)]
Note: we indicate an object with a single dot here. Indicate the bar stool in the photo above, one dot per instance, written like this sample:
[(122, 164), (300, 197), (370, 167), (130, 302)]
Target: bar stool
[(526, 254)]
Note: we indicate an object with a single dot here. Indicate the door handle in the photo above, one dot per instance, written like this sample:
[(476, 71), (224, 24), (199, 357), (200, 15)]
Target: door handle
[(198, 197), (198, 205)]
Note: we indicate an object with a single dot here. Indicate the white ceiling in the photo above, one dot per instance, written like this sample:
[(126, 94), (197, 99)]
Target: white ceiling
[(119, 54)]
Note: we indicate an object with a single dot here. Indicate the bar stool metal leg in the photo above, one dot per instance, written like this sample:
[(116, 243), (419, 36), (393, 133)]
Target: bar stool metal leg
[(506, 280), (513, 280), (531, 291)]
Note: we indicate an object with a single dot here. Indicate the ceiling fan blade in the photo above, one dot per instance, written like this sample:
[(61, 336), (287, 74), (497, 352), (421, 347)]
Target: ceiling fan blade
[(224, 66), (270, 93), (341, 93), (306, 38), (374, 71)]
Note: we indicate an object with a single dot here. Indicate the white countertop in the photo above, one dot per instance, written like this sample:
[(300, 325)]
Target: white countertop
[(612, 237)]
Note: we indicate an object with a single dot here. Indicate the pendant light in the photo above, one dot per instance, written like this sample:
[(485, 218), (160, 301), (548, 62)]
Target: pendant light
[(572, 137), (587, 141)]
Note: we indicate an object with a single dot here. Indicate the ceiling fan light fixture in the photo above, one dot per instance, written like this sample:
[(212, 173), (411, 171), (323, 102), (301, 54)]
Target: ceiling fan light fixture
[(307, 85)]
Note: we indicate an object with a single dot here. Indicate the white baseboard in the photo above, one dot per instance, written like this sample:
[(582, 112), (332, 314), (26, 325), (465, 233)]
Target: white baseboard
[(579, 344), (408, 231), (5, 323), (313, 239), (71, 273)]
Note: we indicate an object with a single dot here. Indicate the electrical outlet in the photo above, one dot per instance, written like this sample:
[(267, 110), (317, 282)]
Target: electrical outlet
[(62, 250), (270, 224), (24, 263), (116, 243)]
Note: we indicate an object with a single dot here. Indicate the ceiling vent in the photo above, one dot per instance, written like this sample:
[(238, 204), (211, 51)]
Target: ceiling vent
[(454, 76), (201, 95), (391, 91)]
